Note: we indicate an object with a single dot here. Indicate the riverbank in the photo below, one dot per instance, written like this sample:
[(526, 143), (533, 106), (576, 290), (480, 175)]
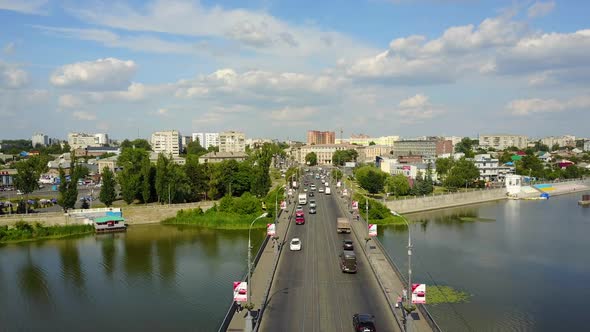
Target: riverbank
[(25, 231), (216, 220)]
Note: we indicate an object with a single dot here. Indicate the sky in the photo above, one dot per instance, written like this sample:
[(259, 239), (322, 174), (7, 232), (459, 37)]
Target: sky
[(275, 69)]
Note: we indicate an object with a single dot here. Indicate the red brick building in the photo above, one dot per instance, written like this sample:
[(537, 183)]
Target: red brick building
[(321, 137)]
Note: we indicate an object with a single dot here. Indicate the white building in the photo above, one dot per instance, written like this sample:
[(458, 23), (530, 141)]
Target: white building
[(41, 139), (207, 139), (82, 140), (102, 139), (501, 142), (232, 141), (561, 141), (324, 152), (587, 145), (167, 142), (490, 168), (365, 140)]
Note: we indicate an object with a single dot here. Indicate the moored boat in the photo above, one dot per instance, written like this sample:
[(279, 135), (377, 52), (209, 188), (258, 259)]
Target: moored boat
[(110, 224)]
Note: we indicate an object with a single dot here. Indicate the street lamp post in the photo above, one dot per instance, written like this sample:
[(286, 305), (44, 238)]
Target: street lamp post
[(249, 317), (409, 291)]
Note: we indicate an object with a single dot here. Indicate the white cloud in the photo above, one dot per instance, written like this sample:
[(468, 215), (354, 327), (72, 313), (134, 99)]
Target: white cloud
[(460, 50), (293, 114), (8, 49), (69, 101), (12, 77), (540, 9), (254, 30), (523, 107), (81, 115), (24, 6), (413, 109), (208, 119), (163, 112), (108, 73), (108, 38)]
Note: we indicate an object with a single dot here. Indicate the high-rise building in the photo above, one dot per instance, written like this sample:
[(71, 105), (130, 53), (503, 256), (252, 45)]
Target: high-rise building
[(232, 141), (167, 142), (40, 139), (103, 139), (82, 140), (207, 139), (561, 141), (321, 137), (501, 142)]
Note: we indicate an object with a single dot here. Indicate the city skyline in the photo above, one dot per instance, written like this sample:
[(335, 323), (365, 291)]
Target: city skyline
[(270, 70)]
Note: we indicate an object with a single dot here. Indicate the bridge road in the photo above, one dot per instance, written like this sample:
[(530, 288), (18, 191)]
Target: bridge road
[(310, 293)]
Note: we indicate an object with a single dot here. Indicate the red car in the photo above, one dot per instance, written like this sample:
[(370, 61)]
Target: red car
[(299, 214), (299, 220)]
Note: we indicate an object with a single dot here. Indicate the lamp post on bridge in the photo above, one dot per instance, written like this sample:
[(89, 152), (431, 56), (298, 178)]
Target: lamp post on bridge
[(249, 317), (409, 290)]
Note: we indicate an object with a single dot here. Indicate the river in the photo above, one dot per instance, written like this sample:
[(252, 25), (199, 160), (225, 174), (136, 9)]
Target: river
[(151, 278), (525, 263)]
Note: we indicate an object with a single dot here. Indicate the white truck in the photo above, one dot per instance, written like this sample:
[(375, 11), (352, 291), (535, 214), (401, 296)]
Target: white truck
[(328, 191), (343, 225), (302, 199)]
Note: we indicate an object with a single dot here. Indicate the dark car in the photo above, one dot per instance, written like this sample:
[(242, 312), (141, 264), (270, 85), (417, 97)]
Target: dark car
[(310, 194), (364, 323), (347, 245)]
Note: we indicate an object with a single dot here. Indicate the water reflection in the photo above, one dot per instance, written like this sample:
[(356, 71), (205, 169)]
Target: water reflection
[(109, 252), (71, 268), (166, 251), (34, 287)]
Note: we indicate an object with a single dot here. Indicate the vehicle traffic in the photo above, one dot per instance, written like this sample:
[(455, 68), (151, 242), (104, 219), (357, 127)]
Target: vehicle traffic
[(295, 244), (347, 245), (343, 225), (302, 199), (363, 323), (348, 261)]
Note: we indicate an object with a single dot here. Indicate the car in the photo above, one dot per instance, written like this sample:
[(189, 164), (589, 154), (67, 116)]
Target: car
[(321, 190), (310, 194), (312, 210), (295, 244), (347, 245), (299, 208), (299, 214), (323, 180), (18, 192), (299, 220), (312, 204), (363, 323), (305, 190)]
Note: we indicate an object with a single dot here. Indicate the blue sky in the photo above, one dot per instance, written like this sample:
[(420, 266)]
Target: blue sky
[(278, 68)]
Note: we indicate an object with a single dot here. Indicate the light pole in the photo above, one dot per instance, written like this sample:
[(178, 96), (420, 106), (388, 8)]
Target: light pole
[(409, 292), (249, 315)]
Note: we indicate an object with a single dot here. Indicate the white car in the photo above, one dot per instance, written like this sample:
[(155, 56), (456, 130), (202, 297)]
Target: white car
[(321, 190), (295, 244)]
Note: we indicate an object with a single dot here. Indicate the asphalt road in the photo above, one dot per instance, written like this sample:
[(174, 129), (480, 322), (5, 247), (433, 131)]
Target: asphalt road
[(46, 192), (310, 293)]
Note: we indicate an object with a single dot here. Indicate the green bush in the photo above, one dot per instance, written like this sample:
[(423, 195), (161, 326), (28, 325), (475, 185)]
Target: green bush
[(378, 213), (23, 231)]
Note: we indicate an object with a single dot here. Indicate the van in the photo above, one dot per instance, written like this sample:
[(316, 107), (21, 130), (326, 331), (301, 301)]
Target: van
[(348, 261), (328, 191), (302, 199)]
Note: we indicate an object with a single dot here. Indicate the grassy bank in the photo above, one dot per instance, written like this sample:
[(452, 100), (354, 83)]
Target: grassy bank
[(216, 219), (378, 213), (24, 231), (445, 294)]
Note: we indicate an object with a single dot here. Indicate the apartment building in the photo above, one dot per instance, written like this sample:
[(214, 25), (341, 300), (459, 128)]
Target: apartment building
[(427, 148), (82, 140), (561, 141), (167, 142), (323, 151), (368, 154), (232, 141), (207, 139), (501, 142), (39, 139), (365, 140), (587, 145), (102, 138), (321, 137), (217, 157)]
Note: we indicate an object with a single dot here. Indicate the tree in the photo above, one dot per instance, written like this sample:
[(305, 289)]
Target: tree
[(372, 143), (342, 156), (370, 178), (461, 174), (148, 174), (197, 177), (163, 178), (465, 146), (555, 147), (398, 185), (137, 144), (443, 166), (336, 174), (311, 159), (68, 190), (530, 165), (130, 179), (195, 148), (108, 191), (27, 177)]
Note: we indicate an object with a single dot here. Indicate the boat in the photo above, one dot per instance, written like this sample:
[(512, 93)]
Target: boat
[(109, 224), (585, 200)]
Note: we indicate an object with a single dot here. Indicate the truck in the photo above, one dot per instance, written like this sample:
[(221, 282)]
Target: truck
[(343, 225), (328, 191), (302, 199), (348, 261)]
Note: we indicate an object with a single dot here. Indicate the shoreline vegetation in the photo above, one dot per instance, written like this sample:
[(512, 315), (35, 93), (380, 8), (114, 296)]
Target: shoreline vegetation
[(232, 213), (24, 231), (445, 294)]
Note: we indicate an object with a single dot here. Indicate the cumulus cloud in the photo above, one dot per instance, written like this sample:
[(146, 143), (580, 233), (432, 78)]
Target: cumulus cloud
[(24, 6), (293, 114), (69, 101), (460, 50), (540, 9), (86, 116), (163, 112), (413, 109), (12, 77), (108, 74), (523, 107)]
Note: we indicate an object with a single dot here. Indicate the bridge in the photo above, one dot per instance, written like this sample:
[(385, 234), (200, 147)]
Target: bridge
[(307, 291)]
